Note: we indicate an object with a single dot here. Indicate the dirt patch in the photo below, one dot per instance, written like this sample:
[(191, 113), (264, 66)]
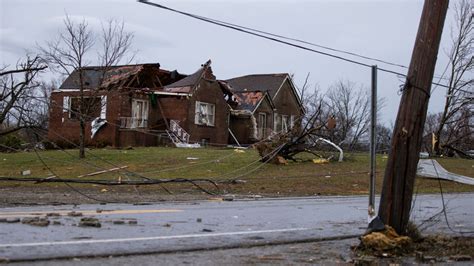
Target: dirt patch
[(429, 249)]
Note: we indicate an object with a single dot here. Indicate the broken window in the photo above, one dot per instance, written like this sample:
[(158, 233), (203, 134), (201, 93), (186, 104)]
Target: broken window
[(139, 113), (91, 107), (284, 123), (276, 122), (262, 125), (205, 114)]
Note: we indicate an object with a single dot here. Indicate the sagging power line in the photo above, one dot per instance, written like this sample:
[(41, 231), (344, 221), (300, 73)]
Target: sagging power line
[(278, 38)]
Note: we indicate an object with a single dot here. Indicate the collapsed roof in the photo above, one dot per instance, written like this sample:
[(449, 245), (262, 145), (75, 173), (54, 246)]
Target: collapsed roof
[(187, 84), (104, 77)]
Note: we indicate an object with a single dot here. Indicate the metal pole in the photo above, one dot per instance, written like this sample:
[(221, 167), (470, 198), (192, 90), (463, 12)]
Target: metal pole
[(373, 143)]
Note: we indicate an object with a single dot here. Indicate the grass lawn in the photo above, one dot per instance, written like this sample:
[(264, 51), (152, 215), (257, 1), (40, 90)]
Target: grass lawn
[(293, 179)]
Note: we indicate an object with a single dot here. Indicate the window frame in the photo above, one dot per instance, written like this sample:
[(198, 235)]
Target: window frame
[(138, 121), (284, 123), (210, 114), (73, 114), (262, 127)]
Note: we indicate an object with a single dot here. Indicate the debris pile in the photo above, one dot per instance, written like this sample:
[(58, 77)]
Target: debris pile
[(89, 222), (281, 147), (35, 221), (386, 241)]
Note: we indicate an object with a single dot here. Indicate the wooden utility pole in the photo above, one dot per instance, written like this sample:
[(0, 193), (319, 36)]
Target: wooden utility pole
[(397, 190)]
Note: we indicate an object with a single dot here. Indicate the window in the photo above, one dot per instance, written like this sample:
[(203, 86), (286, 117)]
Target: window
[(284, 123), (292, 121), (205, 114), (262, 125), (91, 107), (139, 113), (276, 122)]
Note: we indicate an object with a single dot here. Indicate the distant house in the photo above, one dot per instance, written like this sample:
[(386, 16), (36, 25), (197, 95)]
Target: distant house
[(266, 103), (138, 105)]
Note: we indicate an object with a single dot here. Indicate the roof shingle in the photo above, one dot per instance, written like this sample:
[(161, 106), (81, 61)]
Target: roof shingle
[(259, 82)]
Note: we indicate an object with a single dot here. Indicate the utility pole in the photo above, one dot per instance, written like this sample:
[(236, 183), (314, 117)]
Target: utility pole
[(399, 180), (373, 143)]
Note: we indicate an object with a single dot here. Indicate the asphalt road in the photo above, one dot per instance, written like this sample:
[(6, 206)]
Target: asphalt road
[(187, 226)]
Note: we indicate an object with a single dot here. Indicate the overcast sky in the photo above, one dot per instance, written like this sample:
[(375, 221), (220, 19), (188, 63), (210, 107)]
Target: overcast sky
[(383, 29)]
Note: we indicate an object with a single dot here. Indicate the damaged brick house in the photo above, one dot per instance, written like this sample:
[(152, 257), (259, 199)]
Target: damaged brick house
[(138, 105), (266, 103)]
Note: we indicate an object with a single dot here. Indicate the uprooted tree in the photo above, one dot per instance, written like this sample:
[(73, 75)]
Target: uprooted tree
[(300, 139), (73, 50)]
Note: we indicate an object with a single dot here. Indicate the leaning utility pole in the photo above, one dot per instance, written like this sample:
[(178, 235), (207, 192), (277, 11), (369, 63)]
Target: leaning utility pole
[(399, 180)]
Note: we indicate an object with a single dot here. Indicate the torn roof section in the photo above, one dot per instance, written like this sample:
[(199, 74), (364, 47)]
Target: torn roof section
[(96, 76), (258, 82), (250, 100), (189, 83)]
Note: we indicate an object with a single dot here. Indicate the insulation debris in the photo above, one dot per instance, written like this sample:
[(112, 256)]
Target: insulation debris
[(386, 240)]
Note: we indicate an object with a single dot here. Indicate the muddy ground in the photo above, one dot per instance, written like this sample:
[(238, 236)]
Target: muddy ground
[(337, 252)]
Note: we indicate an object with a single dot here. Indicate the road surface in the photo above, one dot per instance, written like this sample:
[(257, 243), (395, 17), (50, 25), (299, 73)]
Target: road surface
[(186, 226)]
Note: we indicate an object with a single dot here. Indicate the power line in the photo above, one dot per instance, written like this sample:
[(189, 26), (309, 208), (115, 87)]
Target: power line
[(273, 37)]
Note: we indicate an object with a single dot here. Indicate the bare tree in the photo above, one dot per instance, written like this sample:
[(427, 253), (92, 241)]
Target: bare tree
[(350, 107), (17, 98), (460, 79), (70, 52), (383, 138), (313, 103)]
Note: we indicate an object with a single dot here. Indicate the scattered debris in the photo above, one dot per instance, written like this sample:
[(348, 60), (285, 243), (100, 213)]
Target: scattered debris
[(320, 161), (300, 139), (104, 171), (89, 222), (26, 172), (386, 240), (207, 230), (167, 225), (74, 214), (228, 197), (192, 158), (239, 151), (103, 190), (13, 220), (35, 221), (199, 220), (432, 169), (237, 181), (424, 155)]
